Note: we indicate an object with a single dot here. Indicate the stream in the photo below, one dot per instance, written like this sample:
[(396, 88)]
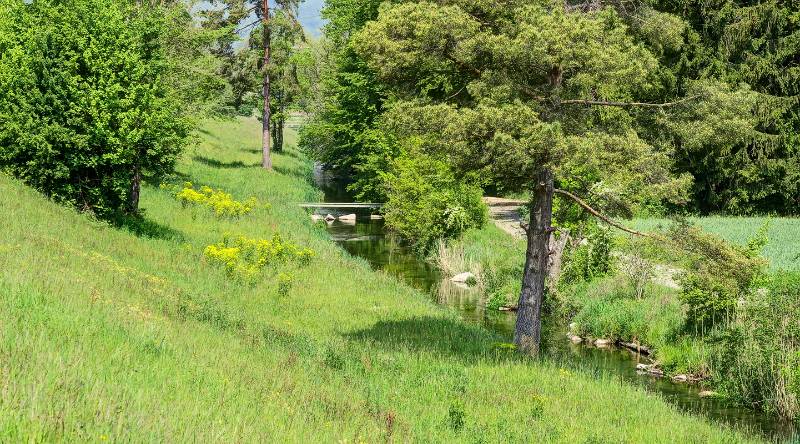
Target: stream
[(367, 238)]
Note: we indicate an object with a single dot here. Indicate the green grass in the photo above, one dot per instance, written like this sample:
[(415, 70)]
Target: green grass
[(782, 251), (128, 334)]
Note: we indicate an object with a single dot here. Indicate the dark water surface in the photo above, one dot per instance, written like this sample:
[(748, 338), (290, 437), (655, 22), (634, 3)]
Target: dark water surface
[(366, 238)]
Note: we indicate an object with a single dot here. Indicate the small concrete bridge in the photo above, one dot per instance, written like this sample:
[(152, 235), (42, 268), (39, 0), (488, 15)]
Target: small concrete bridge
[(341, 205)]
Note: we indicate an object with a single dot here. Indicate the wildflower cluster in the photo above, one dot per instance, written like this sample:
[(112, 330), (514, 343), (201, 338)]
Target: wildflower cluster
[(218, 201), (245, 258)]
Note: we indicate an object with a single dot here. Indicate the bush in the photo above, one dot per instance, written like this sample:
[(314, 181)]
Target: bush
[(589, 259), (245, 258), (426, 202), (717, 274), (85, 109), (219, 202)]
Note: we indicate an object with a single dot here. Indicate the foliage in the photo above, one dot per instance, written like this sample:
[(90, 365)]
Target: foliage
[(741, 42), (343, 133), (86, 106), (427, 203), (606, 308), (757, 358), (717, 274), (219, 202), (245, 258), (590, 258)]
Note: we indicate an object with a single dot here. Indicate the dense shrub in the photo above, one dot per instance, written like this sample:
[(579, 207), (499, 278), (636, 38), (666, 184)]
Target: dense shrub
[(85, 108), (427, 202), (717, 274)]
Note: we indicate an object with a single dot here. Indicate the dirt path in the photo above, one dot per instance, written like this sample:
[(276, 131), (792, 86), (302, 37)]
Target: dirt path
[(505, 214)]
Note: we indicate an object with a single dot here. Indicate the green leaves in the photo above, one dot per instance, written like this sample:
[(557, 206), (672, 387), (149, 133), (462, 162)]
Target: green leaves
[(86, 109)]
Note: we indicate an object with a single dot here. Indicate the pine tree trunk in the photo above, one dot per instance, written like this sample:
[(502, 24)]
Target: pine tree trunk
[(266, 161), (527, 334)]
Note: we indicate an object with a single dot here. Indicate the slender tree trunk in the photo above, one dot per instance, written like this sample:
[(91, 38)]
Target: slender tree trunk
[(557, 246), (529, 315), (136, 186), (266, 161)]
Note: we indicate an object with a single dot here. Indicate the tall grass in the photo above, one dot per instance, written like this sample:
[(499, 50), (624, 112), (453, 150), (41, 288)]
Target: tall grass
[(127, 334)]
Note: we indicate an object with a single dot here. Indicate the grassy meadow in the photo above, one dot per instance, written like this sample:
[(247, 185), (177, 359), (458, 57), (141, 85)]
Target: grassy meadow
[(782, 249), (127, 334)]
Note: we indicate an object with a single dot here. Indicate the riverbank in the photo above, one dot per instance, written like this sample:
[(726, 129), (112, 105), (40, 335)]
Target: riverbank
[(131, 334), (636, 302)]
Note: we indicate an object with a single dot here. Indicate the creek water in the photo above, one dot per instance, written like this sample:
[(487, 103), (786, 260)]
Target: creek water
[(367, 238)]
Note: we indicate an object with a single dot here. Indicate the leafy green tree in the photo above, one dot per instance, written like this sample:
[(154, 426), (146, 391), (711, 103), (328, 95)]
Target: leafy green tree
[(86, 110), (344, 134), (537, 96)]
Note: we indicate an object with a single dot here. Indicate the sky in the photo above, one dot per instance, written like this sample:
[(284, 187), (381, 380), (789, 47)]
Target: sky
[(309, 15)]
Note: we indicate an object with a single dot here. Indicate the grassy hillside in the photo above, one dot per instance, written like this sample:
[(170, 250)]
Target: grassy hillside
[(131, 335)]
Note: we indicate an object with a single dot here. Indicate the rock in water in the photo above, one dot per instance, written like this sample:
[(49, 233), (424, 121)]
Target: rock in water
[(347, 217), (603, 342), (330, 218), (463, 277)]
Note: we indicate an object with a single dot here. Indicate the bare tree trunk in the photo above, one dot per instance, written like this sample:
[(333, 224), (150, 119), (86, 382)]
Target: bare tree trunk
[(529, 315), (135, 192), (266, 161), (556, 247)]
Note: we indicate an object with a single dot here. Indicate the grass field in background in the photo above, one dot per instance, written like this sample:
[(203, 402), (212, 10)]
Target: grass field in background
[(129, 335), (782, 250)]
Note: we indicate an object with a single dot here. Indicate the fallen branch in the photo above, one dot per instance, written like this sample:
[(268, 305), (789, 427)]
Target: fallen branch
[(601, 216)]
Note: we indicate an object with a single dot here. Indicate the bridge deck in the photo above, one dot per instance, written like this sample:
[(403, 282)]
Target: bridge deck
[(341, 205)]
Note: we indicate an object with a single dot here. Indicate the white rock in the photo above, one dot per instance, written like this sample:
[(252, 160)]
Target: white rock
[(317, 218), (462, 277), (347, 217), (602, 342), (375, 217), (643, 367), (576, 339), (680, 378), (330, 218)]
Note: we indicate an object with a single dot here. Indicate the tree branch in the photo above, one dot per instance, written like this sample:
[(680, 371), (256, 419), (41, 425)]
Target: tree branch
[(237, 31), (628, 104), (600, 216), (589, 102)]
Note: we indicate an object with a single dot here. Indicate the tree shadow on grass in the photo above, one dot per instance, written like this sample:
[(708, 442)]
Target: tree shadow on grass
[(442, 336), (214, 163), (141, 226)]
